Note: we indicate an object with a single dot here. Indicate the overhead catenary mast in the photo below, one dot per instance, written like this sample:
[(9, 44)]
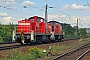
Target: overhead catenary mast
[(46, 7), (46, 12), (77, 28)]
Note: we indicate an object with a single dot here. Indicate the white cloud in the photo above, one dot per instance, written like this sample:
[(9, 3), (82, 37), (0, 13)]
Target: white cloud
[(3, 14), (74, 6), (50, 17), (82, 21), (8, 1), (85, 21), (12, 7), (7, 20), (59, 18), (28, 3)]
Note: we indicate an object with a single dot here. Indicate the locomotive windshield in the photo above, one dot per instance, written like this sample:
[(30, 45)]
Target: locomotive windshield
[(40, 19), (56, 23), (32, 18)]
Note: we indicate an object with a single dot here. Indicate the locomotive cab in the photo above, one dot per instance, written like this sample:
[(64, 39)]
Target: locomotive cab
[(56, 31)]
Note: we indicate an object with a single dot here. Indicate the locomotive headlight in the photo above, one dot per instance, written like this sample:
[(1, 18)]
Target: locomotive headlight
[(28, 37)]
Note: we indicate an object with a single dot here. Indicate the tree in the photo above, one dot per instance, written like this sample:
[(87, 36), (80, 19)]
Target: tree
[(6, 32), (82, 32), (68, 29)]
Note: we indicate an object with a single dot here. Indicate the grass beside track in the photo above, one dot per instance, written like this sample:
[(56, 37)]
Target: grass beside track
[(37, 54), (62, 48)]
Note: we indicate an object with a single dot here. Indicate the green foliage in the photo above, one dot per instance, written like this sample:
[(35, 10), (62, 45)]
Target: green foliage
[(1, 40), (82, 32), (70, 31), (36, 53), (6, 32), (32, 55), (57, 49)]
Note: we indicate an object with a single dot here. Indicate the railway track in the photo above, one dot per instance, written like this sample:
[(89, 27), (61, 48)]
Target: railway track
[(75, 54), (11, 45), (5, 46), (81, 56), (6, 42)]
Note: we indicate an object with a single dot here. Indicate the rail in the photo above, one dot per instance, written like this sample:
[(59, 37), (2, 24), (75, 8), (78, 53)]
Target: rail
[(9, 45), (83, 54), (6, 42), (72, 51)]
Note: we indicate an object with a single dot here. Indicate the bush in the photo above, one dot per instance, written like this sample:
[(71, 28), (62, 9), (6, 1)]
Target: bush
[(32, 55), (7, 38), (36, 53), (1, 39)]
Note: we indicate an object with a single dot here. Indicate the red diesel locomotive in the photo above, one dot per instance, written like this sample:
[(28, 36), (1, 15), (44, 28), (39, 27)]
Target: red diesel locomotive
[(38, 30)]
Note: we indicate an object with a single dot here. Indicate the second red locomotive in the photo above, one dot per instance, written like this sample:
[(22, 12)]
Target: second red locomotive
[(38, 30)]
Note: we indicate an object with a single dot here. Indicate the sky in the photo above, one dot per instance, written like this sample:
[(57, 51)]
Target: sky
[(63, 11)]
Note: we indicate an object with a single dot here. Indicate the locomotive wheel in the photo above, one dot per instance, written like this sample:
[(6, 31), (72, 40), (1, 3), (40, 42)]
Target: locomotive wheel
[(31, 44)]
